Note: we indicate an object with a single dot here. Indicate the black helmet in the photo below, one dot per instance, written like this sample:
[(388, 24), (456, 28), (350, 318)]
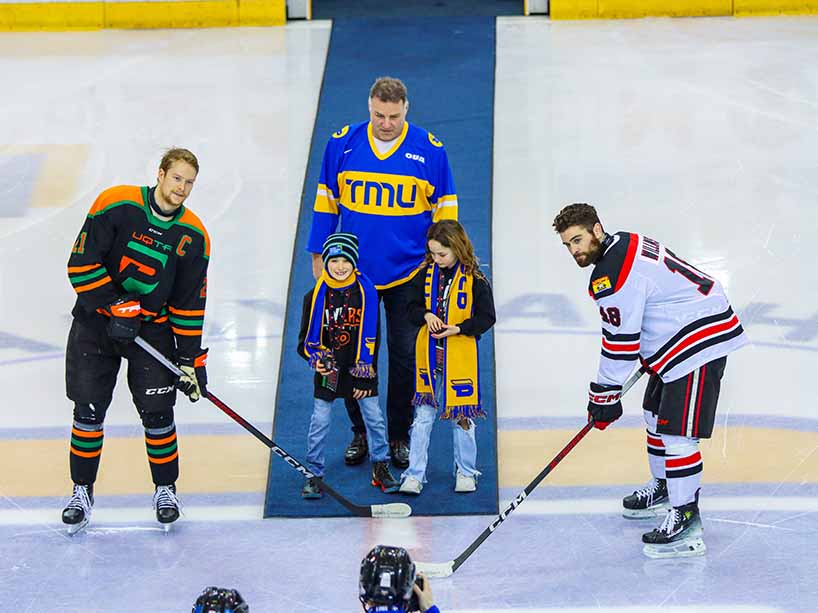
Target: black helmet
[(387, 576), (220, 600)]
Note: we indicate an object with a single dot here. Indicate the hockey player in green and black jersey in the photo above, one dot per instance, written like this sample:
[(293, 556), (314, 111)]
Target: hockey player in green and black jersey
[(139, 267)]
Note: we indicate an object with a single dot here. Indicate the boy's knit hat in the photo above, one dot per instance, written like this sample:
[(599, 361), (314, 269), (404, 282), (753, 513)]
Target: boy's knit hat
[(341, 244)]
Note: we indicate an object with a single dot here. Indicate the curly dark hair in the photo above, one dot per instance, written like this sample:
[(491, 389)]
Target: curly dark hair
[(577, 214)]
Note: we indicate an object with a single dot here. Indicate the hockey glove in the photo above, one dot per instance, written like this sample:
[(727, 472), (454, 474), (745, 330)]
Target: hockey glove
[(125, 319), (604, 405), (194, 380)]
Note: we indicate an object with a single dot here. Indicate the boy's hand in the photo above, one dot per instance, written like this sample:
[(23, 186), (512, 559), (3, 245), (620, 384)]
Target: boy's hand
[(434, 322), (321, 369), (358, 394), (446, 330)]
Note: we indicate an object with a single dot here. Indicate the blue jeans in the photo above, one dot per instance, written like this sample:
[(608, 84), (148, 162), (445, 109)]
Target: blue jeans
[(465, 445), (400, 387), (319, 427)]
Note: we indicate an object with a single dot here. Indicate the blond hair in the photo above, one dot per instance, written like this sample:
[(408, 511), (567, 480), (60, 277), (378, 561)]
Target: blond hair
[(177, 154)]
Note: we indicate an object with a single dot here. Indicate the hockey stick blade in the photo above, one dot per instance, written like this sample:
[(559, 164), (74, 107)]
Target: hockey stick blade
[(436, 570), (444, 569), (392, 510), (395, 509)]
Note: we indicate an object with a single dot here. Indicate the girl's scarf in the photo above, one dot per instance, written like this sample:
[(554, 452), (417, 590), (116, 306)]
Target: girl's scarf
[(461, 393), (367, 330)]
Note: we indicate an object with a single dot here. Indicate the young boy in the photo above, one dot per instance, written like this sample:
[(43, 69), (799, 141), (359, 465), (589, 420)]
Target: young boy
[(339, 327)]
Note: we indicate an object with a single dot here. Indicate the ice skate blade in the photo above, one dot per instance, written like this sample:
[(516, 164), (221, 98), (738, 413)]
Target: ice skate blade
[(167, 527), (650, 513), (683, 549), (76, 528)]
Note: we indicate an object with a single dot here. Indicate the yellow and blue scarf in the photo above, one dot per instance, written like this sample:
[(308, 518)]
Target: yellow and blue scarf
[(367, 331), (461, 395)]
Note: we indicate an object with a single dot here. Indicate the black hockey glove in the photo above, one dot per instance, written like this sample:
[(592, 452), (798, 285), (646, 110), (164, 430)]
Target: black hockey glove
[(194, 380), (604, 405), (125, 319)]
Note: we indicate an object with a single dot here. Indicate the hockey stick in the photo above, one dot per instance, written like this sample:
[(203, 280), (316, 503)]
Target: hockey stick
[(393, 509), (445, 569)]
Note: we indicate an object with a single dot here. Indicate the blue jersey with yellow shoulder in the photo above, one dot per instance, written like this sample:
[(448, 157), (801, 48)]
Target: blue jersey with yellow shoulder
[(388, 200)]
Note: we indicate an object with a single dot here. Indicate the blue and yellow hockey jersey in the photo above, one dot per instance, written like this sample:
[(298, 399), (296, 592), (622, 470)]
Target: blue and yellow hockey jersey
[(388, 200)]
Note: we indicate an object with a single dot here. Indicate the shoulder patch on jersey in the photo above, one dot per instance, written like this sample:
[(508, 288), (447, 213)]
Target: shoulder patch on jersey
[(601, 284), (614, 267), (434, 140), (341, 133)]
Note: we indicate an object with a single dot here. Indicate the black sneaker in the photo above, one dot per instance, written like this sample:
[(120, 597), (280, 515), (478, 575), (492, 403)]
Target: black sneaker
[(679, 535), (77, 512), (382, 478), (166, 504), (357, 450), (311, 489), (650, 501), (400, 454)]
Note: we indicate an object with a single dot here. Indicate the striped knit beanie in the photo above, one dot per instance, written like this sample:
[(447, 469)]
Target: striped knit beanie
[(341, 244)]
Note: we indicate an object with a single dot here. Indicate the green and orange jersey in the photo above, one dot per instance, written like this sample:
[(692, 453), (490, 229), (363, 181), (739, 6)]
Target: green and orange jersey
[(123, 249)]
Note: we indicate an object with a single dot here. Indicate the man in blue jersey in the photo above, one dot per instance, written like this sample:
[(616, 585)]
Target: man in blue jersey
[(386, 181)]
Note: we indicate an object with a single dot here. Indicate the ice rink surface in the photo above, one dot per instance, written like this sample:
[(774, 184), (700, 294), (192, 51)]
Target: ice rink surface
[(701, 133)]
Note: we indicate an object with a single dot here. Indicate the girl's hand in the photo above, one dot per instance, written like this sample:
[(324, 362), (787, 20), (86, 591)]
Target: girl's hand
[(447, 330), (434, 322), (358, 394)]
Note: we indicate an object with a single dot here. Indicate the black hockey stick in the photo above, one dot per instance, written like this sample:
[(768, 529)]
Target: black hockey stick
[(393, 509), (444, 569)]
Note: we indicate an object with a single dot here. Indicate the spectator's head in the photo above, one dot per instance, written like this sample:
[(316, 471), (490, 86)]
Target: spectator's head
[(387, 577), (388, 105), (220, 600), (581, 232), (340, 255)]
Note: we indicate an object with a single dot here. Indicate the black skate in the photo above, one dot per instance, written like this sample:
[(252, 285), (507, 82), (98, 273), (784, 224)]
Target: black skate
[(382, 478), (650, 501), (77, 513), (166, 505), (679, 536), (357, 450)]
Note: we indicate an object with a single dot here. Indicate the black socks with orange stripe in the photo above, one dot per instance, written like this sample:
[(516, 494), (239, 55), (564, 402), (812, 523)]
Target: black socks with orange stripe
[(163, 453)]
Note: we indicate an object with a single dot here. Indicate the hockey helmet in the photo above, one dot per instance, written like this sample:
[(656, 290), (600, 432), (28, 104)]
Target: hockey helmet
[(220, 600), (387, 576)]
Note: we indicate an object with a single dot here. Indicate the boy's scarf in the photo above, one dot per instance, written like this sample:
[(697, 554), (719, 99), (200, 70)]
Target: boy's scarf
[(367, 330), (461, 393)]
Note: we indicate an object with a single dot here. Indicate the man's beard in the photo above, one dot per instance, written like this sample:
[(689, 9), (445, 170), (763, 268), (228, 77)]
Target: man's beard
[(590, 256)]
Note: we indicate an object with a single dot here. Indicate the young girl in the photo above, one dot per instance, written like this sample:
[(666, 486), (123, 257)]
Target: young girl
[(452, 301)]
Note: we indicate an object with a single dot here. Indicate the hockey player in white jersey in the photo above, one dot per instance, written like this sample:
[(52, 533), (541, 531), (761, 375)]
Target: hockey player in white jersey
[(658, 309)]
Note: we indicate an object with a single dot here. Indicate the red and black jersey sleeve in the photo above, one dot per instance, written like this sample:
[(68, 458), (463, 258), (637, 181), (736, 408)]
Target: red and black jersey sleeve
[(620, 297), (86, 266), (186, 303)]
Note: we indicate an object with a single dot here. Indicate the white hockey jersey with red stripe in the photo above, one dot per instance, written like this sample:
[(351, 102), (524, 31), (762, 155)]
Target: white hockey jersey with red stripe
[(655, 305)]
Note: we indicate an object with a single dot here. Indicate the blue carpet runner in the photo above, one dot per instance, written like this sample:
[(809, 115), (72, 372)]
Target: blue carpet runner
[(448, 67)]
